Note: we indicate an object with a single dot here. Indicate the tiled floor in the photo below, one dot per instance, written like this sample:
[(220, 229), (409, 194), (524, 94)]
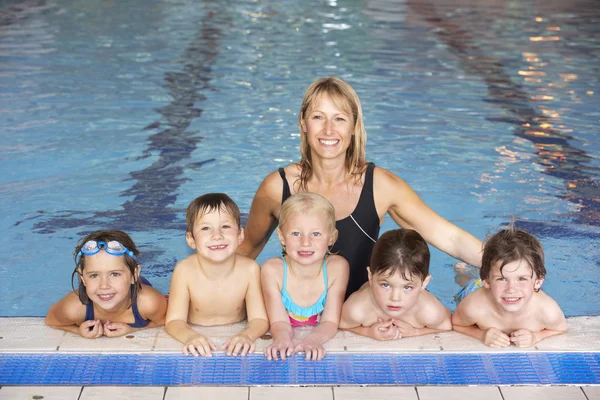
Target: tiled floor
[(31, 335)]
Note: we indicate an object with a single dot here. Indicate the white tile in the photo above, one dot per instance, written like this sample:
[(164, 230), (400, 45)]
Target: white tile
[(39, 392), (291, 393), (592, 392), (458, 342), (375, 393), (217, 334), (28, 334), (542, 393), (357, 343), (583, 335), (207, 393), (140, 341), (122, 393), (459, 393)]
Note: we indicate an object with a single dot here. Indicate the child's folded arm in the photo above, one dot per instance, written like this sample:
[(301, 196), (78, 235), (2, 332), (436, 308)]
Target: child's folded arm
[(66, 314)]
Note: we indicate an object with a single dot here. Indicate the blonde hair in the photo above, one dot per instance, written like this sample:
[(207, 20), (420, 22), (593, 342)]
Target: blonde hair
[(345, 98), (307, 203)]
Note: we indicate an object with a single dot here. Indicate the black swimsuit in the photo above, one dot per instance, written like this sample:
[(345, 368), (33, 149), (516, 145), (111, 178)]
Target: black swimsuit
[(357, 232)]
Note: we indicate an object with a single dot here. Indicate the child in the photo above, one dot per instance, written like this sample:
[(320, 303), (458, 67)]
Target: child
[(112, 298), (215, 286), (394, 303), (510, 308), (306, 286)]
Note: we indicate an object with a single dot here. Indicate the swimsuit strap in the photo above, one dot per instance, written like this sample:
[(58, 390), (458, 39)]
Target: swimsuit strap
[(140, 322), (292, 307), (286, 187), (89, 311)]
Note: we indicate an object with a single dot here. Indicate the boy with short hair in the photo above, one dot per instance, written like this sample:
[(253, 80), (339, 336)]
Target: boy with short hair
[(510, 308), (394, 303), (215, 286)]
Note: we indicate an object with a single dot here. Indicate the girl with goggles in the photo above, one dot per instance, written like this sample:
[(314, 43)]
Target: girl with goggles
[(112, 299)]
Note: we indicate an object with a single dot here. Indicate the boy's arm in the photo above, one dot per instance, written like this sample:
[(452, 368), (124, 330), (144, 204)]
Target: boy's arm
[(464, 320), (435, 318), (258, 322), (176, 323), (554, 322)]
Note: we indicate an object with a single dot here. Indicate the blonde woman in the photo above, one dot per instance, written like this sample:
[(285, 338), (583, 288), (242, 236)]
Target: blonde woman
[(333, 164)]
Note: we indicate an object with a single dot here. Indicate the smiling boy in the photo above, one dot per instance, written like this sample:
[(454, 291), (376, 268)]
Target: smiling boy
[(394, 303), (510, 308), (215, 286)]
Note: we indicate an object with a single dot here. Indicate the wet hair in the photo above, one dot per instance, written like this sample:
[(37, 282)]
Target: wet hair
[(307, 203), (510, 245), (208, 203), (345, 98), (105, 236), (401, 250)]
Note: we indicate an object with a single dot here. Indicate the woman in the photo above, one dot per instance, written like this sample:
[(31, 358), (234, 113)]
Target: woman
[(333, 140)]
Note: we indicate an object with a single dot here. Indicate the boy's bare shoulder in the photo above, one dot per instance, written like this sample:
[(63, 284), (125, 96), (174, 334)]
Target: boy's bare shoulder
[(476, 303), (357, 306), (246, 265)]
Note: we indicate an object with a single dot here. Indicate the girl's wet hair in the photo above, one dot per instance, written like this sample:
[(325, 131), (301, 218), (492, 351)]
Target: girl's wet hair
[(344, 98), (401, 250), (510, 245), (105, 236), (307, 203), (208, 203)]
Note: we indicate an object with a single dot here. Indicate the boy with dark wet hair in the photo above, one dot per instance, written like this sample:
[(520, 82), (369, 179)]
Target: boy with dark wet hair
[(510, 308)]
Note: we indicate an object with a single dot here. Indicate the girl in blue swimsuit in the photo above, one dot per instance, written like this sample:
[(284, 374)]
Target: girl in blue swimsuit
[(306, 286), (112, 299)]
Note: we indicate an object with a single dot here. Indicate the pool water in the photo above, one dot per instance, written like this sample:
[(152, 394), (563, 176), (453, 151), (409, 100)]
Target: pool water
[(118, 114)]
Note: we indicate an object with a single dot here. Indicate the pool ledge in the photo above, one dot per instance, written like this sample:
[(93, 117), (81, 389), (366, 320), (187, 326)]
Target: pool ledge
[(31, 335)]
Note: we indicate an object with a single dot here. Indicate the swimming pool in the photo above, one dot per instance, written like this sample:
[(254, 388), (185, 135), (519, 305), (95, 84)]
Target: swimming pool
[(119, 114)]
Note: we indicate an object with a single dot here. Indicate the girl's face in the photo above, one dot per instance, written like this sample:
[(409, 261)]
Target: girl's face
[(306, 237), (328, 129), (514, 287), (107, 280), (395, 295)]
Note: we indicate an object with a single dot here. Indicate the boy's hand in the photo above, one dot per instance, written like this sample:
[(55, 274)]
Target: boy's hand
[(91, 329), (523, 338), (312, 348), (285, 348), (496, 338), (240, 342), (199, 345), (114, 329), (385, 330), (405, 329)]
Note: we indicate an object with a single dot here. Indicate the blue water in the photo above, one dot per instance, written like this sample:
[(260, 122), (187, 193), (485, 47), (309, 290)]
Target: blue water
[(118, 114)]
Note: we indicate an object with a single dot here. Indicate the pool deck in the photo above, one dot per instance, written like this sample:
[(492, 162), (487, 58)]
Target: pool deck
[(30, 335)]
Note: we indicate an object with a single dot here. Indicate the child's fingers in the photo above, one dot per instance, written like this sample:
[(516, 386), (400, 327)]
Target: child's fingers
[(226, 345)]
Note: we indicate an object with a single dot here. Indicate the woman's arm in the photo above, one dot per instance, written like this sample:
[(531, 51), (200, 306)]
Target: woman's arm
[(408, 210), (263, 217)]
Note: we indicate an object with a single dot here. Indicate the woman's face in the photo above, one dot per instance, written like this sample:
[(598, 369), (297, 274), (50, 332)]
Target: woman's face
[(329, 130)]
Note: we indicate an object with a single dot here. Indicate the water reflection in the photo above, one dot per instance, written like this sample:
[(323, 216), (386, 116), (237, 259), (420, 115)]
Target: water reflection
[(155, 188), (553, 150)]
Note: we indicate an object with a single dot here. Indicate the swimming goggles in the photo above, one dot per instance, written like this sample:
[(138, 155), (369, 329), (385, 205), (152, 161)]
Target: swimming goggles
[(113, 247)]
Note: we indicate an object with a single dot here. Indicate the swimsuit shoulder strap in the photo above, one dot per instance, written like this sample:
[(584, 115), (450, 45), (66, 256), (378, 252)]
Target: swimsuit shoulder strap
[(286, 187)]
